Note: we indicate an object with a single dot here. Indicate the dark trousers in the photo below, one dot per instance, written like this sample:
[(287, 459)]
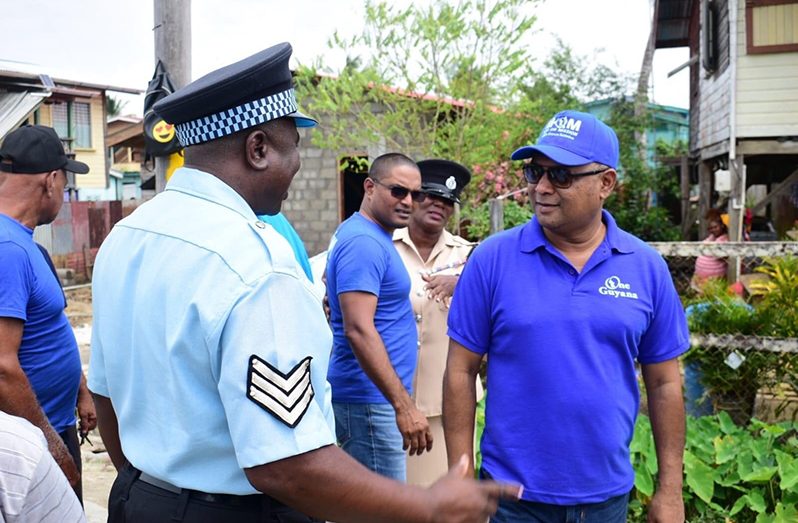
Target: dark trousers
[(132, 501), (70, 438)]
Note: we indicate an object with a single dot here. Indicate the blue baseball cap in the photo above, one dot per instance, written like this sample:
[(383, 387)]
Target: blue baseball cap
[(574, 138)]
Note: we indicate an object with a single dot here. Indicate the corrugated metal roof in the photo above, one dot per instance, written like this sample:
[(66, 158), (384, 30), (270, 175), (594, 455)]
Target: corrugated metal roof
[(16, 106), (673, 23), (34, 79)]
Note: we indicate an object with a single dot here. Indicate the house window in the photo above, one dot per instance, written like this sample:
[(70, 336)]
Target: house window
[(72, 122), (771, 26)]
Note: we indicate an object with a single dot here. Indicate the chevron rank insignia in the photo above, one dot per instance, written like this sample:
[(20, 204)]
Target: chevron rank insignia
[(284, 396)]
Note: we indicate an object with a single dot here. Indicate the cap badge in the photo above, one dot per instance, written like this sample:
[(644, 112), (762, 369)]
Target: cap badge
[(451, 183)]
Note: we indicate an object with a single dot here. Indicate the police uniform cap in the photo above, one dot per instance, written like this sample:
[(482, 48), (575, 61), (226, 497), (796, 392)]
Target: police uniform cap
[(443, 178), (245, 94)]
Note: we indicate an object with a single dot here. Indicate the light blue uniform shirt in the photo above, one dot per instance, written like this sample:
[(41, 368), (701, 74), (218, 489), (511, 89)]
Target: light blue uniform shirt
[(210, 343)]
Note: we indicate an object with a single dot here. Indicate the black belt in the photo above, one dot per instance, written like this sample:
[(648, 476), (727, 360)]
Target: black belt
[(222, 499)]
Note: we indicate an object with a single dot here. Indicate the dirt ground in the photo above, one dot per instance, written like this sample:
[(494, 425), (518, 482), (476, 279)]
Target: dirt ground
[(98, 472)]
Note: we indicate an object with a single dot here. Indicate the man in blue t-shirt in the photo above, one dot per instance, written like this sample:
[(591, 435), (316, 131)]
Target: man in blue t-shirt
[(41, 378), (562, 307), (374, 332)]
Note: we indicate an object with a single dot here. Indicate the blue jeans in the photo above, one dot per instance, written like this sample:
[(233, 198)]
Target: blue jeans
[(611, 511), (368, 433)]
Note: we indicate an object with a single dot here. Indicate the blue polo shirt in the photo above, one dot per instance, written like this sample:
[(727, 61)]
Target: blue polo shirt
[(562, 388), (363, 259), (48, 352), (211, 345)]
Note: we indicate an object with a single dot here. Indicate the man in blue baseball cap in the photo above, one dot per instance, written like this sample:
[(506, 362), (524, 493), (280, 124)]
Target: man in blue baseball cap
[(210, 346), (564, 306)]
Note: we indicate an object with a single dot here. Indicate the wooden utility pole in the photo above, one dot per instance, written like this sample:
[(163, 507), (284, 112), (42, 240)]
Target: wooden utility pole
[(172, 31), (496, 215)]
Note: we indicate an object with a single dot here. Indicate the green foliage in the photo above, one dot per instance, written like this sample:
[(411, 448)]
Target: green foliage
[(113, 106), (718, 311), (454, 80), (630, 204), (436, 80), (567, 81), (772, 312), (480, 415), (731, 473), (477, 219), (778, 296)]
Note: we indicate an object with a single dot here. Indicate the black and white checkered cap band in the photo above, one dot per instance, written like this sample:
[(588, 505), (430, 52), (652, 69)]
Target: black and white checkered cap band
[(236, 119)]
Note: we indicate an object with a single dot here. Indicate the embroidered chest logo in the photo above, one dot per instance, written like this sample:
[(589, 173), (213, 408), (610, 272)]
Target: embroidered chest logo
[(613, 286), (284, 396)]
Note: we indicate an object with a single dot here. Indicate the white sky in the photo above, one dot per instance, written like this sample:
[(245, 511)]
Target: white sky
[(111, 41)]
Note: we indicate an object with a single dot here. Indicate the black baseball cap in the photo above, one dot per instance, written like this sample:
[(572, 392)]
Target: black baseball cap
[(35, 149)]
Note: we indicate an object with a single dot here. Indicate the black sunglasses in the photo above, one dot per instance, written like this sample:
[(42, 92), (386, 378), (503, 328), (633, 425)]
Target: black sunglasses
[(559, 176), (400, 193)]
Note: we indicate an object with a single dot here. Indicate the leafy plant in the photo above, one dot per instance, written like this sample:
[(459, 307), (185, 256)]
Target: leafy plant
[(774, 312), (477, 219), (480, 415), (778, 296), (631, 203), (732, 473), (429, 80)]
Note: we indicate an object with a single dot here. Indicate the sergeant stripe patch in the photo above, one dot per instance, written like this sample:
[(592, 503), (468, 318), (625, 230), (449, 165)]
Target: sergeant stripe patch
[(284, 396)]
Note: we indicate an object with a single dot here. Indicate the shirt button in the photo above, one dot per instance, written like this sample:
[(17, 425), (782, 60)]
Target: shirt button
[(420, 293), (418, 343), (418, 318), (260, 225), (572, 272)]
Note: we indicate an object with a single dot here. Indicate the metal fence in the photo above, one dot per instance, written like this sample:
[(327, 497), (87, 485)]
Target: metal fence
[(746, 373)]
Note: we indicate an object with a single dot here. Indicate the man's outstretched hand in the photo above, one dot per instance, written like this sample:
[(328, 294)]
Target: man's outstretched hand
[(458, 499)]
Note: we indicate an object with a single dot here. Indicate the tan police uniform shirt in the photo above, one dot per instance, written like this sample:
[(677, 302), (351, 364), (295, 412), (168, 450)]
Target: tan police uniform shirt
[(446, 258)]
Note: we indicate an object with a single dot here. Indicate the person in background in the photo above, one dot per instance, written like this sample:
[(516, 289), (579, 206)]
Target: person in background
[(32, 487), (41, 378), (374, 347), (707, 267), (434, 259)]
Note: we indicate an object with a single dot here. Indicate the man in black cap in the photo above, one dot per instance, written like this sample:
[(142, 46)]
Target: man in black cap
[(210, 349), (41, 378)]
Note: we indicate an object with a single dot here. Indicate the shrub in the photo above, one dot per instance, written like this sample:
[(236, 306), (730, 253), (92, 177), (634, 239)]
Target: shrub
[(732, 473)]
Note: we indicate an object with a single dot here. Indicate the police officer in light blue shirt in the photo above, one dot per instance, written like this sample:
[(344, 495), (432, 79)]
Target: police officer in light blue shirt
[(210, 348)]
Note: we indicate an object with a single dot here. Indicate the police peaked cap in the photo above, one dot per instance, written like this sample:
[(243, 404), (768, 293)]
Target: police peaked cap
[(443, 178), (245, 94)]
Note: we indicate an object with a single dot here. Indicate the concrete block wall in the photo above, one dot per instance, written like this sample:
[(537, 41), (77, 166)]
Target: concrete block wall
[(313, 204)]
